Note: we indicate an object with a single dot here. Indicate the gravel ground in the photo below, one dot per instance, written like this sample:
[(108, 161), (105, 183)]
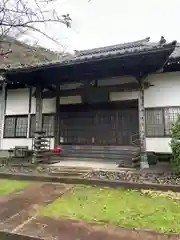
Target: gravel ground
[(25, 170), (169, 194), (137, 177), (42, 170), (130, 176)]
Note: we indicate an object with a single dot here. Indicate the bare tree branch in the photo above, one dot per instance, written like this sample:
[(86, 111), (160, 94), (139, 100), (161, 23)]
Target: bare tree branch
[(3, 53), (17, 17)]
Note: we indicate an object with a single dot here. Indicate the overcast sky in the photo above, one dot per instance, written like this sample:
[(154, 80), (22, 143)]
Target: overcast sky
[(106, 22)]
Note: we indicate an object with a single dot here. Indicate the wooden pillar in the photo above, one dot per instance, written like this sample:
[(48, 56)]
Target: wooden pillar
[(37, 146), (57, 118), (39, 103), (142, 126)]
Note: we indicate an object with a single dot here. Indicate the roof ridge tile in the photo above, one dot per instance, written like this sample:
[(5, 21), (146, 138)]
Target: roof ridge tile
[(112, 47)]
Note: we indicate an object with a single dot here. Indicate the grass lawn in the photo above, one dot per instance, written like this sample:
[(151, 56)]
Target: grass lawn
[(125, 208), (10, 186)]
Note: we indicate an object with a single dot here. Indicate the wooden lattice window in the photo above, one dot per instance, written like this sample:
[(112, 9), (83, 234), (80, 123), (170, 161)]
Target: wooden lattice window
[(170, 116), (15, 126), (47, 122), (48, 125), (154, 122), (159, 121)]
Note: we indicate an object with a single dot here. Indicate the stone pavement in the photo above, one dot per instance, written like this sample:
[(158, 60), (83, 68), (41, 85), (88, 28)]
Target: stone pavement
[(64, 229), (22, 207)]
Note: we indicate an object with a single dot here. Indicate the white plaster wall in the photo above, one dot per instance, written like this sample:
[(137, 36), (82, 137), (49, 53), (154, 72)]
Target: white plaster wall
[(17, 101), (165, 92), (49, 105), (70, 99), (122, 96), (8, 143), (160, 145)]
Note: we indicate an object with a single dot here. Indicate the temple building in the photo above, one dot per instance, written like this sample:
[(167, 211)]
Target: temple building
[(105, 103)]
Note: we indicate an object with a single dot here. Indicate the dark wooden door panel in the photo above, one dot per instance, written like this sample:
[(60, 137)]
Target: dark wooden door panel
[(99, 126)]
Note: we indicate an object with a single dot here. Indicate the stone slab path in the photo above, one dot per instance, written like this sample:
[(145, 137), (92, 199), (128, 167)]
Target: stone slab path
[(19, 215), (20, 208)]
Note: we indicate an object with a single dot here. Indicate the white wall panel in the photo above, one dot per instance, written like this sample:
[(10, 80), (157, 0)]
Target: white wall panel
[(122, 96), (17, 101), (8, 143), (70, 99), (165, 92), (160, 145), (49, 105)]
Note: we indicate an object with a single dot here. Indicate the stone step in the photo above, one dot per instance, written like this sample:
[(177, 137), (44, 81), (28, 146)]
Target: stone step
[(121, 155), (96, 156), (101, 148)]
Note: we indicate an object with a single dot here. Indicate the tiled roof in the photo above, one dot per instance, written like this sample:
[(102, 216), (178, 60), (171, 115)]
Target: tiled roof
[(176, 53), (100, 53)]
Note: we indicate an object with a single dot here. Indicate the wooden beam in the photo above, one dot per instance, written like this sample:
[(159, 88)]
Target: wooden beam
[(51, 88), (132, 86)]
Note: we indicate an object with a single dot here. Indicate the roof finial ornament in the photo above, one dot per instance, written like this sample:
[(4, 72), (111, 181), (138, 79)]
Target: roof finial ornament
[(162, 40)]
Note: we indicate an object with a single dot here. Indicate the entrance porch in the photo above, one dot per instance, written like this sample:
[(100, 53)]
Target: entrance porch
[(109, 123), (100, 131)]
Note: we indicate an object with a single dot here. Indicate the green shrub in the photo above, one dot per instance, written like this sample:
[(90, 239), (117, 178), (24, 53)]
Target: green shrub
[(175, 146), (164, 157)]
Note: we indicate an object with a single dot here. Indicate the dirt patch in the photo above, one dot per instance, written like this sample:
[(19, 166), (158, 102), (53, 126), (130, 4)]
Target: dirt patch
[(48, 228)]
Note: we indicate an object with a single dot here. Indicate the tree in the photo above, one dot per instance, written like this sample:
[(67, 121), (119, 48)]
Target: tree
[(19, 17), (175, 146)]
